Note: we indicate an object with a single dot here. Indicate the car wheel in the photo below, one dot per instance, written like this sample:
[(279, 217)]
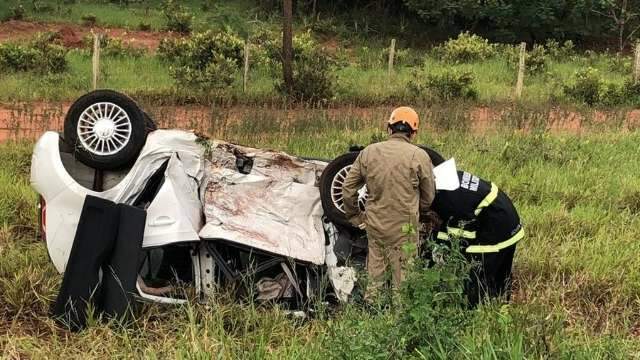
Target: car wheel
[(107, 129), (332, 180)]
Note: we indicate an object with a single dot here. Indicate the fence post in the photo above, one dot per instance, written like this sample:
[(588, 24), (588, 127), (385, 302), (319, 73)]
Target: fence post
[(392, 53), (521, 66), (245, 78), (96, 60), (636, 66)]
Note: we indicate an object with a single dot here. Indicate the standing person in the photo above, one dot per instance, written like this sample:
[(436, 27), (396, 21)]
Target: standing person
[(400, 185), (486, 222)]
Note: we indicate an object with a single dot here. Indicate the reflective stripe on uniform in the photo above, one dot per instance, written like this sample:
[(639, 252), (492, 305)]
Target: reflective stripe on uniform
[(493, 194), (443, 235), (461, 233), (477, 249)]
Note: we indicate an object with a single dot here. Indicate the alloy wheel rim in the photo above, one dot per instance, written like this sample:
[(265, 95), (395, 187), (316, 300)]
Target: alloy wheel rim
[(104, 128), (336, 190)]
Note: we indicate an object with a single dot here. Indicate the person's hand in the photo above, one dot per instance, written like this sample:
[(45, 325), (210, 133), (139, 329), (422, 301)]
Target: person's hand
[(362, 226)]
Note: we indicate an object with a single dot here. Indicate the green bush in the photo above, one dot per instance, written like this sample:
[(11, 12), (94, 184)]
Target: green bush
[(445, 85), (117, 47), (587, 86), (43, 54), (89, 19), (17, 12), (535, 58), (204, 60), (144, 26), (177, 17), (313, 75), (466, 48), (427, 317), (559, 52), (111, 47)]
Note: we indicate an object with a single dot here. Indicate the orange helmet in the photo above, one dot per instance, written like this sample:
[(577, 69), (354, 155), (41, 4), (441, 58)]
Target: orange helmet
[(405, 114)]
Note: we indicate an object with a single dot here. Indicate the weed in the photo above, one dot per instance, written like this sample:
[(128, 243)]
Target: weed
[(465, 48), (177, 17)]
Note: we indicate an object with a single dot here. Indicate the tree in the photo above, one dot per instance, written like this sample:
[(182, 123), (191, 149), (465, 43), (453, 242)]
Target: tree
[(287, 45), (625, 16)]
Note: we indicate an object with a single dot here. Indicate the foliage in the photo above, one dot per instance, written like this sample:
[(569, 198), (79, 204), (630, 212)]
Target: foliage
[(589, 87), (43, 54), (557, 51), (536, 59), (89, 19), (177, 17), (443, 85), (313, 78), (466, 48), (530, 20), (207, 60), (17, 12)]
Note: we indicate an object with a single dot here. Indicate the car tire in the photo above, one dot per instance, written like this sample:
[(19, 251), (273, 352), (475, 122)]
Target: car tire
[(332, 179), (331, 196), (106, 129)]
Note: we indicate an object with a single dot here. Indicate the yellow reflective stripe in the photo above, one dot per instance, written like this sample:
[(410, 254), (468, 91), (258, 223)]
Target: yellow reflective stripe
[(493, 194), (461, 233), (443, 235), (476, 249)]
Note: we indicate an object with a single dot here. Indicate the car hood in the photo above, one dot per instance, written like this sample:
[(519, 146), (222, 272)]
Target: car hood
[(274, 207)]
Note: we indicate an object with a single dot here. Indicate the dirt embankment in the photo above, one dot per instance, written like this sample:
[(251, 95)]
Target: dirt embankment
[(29, 120), (72, 34)]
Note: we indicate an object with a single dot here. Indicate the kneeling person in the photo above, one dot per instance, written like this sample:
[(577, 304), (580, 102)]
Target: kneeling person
[(488, 226)]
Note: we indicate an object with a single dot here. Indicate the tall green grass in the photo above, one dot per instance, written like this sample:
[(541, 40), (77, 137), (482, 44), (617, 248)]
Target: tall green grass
[(577, 288), (148, 12), (354, 85)]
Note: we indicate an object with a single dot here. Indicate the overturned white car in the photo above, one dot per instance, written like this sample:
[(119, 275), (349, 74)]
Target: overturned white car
[(264, 223)]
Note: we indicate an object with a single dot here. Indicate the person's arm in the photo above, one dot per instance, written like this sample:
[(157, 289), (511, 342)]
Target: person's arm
[(353, 183), (426, 183)]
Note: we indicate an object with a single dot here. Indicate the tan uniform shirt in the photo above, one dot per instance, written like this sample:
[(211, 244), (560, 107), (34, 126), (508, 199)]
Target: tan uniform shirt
[(400, 184)]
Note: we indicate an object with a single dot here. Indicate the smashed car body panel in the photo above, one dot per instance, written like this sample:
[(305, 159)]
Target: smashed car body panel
[(174, 219), (272, 204)]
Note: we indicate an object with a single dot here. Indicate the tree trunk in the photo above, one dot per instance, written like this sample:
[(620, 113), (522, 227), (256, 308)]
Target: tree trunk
[(287, 45)]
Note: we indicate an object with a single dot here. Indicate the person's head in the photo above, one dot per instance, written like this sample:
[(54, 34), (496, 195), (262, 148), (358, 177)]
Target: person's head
[(403, 120)]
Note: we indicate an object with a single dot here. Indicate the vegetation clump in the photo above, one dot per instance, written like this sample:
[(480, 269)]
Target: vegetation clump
[(177, 17), (466, 48), (444, 85), (589, 87), (43, 54), (313, 69), (208, 60)]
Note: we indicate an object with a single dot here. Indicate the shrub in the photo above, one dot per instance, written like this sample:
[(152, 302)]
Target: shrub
[(313, 79), (17, 12), (43, 54), (177, 16), (446, 85), (89, 19), (465, 48), (557, 51), (585, 86), (117, 47), (588, 86), (204, 60), (143, 26), (40, 7), (111, 47), (535, 58)]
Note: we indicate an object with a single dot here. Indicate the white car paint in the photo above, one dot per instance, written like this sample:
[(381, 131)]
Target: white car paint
[(175, 215)]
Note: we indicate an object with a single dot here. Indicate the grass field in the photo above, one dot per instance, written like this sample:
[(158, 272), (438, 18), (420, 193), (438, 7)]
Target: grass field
[(148, 12), (577, 288), (355, 84)]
